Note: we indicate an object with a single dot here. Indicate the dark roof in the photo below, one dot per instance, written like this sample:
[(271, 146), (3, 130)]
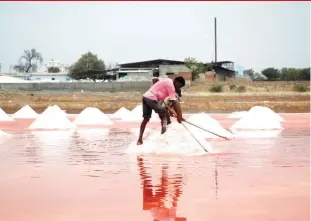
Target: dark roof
[(152, 63)]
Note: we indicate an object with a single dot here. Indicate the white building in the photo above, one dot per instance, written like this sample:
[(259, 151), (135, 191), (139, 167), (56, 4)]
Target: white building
[(56, 64)]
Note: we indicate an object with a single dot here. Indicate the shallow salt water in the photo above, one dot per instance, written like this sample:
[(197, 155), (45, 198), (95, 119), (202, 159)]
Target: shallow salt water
[(84, 174)]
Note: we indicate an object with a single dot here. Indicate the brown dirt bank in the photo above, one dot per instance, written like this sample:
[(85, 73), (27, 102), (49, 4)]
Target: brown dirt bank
[(10, 102)]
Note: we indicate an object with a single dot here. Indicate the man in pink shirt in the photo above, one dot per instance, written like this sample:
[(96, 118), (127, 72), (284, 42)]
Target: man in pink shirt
[(153, 99)]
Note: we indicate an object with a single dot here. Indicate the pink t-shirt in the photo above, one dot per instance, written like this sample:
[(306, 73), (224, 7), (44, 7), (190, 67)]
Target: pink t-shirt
[(162, 89)]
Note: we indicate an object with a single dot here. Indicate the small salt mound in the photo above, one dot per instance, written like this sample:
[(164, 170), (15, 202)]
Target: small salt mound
[(137, 115), (206, 122), (51, 118), (92, 116), (260, 111), (25, 112), (4, 116), (258, 120), (176, 140), (237, 114), (121, 113), (59, 109)]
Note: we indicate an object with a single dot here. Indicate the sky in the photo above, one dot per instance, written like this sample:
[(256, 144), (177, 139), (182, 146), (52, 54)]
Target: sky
[(252, 34)]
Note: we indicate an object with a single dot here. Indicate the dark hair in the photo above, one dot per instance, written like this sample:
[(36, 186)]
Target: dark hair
[(181, 80), (178, 92)]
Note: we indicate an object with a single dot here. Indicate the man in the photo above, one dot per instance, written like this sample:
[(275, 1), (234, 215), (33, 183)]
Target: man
[(153, 98)]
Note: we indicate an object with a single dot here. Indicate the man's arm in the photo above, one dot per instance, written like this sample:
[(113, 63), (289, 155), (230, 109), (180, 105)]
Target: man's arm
[(177, 110)]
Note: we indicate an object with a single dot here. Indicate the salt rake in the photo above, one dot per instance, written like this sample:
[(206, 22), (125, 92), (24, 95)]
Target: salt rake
[(194, 124), (187, 129)]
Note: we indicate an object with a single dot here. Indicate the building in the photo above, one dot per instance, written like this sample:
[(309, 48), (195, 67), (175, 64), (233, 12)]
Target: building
[(146, 70), (56, 66), (223, 70)]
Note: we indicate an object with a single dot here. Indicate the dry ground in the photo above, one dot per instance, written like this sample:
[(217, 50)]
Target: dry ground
[(289, 102)]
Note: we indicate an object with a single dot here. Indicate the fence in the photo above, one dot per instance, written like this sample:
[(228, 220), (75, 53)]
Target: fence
[(77, 86)]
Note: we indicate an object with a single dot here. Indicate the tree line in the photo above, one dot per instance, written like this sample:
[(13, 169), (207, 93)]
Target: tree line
[(90, 66), (283, 74)]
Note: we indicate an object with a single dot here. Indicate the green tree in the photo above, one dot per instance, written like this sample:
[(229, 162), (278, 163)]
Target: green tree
[(250, 73), (28, 63), (305, 74), (272, 74), (88, 66), (196, 67)]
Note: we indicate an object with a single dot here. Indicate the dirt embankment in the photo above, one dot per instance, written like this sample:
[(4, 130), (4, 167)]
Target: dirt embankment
[(291, 102)]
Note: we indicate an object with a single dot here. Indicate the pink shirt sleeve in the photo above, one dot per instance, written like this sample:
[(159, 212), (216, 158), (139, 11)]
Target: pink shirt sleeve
[(171, 91)]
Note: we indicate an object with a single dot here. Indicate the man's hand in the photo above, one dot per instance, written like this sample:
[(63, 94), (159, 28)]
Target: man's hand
[(180, 119)]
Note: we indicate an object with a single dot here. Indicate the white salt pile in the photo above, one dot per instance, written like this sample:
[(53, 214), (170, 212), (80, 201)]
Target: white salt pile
[(122, 112), (2, 133), (52, 118), (4, 116), (258, 118), (237, 114), (206, 122), (137, 115), (92, 116), (176, 140), (25, 112), (59, 109)]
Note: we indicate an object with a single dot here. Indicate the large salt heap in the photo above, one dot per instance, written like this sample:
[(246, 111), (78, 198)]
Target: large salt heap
[(59, 110), (4, 116), (121, 113), (176, 140), (259, 122), (259, 118), (92, 116), (206, 122), (25, 112), (137, 115), (52, 118)]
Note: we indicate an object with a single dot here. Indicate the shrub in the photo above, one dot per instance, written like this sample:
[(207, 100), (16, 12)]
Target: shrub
[(241, 88), (300, 88), (232, 87), (216, 88)]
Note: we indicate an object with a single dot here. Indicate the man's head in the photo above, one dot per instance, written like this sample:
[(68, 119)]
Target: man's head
[(179, 82)]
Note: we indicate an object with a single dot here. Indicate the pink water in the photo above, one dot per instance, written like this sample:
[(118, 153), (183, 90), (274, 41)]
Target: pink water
[(70, 176)]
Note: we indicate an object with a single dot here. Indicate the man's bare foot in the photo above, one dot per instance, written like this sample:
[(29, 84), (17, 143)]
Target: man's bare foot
[(163, 130), (139, 142)]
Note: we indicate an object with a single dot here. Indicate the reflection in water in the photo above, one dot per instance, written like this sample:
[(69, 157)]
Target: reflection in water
[(161, 200)]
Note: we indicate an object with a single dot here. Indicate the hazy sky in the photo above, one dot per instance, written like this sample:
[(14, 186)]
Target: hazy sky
[(253, 35)]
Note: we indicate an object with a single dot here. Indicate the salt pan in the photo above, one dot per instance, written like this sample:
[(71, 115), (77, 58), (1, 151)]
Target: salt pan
[(92, 116), (25, 112), (206, 122), (52, 118), (122, 112), (176, 140), (4, 116)]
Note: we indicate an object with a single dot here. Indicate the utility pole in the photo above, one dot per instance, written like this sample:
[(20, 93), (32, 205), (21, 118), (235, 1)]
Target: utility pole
[(215, 26)]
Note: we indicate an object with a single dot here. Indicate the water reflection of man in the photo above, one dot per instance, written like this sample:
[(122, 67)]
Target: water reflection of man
[(157, 202)]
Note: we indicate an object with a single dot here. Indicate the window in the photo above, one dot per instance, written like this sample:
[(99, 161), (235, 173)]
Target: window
[(121, 75), (170, 73), (53, 79)]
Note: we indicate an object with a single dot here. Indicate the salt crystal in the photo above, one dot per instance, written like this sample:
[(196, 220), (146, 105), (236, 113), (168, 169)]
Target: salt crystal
[(92, 116), (4, 116), (25, 112)]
